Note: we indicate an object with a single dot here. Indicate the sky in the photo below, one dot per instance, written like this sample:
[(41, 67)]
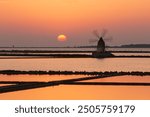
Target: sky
[(39, 22)]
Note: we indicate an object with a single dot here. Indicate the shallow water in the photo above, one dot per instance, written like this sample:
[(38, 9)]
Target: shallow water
[(126, 78), (83, 91), (69, 53), (77, 64), (42, 78), (79, 49), (131, 54)]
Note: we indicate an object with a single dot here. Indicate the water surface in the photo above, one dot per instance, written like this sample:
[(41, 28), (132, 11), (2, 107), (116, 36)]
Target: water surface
[(80, 92), (77, 64), (78, 49)]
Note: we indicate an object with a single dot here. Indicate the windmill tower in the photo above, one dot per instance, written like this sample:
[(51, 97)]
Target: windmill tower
[(101, 45)]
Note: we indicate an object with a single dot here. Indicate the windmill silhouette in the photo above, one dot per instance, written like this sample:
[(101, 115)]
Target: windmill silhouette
[(101, 45), (101, 40)]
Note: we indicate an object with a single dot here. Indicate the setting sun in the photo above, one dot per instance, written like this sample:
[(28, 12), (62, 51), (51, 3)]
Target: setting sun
[(61, 37)]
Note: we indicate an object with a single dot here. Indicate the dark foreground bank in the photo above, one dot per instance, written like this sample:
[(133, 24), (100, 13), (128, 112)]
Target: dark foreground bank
[(108, 73)]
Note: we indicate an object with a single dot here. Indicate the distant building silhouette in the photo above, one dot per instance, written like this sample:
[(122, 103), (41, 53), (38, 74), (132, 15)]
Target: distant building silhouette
[(101, 45)]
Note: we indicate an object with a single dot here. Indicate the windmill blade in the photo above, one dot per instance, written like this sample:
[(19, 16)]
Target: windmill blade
[(104, 32), (95, 32), (93, 40)]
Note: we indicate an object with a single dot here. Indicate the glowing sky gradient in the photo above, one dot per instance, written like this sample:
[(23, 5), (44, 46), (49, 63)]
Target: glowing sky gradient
[(39, 22)]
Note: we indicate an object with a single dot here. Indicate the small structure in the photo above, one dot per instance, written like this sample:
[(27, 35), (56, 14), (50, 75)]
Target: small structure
[(101, 45), (101, 49)]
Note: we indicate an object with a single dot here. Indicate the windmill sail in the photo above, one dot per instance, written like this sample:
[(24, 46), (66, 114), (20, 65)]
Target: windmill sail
[(95, 32)]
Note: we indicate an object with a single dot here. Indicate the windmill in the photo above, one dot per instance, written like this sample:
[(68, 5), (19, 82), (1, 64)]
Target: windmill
[(101, 44), (101, 40)]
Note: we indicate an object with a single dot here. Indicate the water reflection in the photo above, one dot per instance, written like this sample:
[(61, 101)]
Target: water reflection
[(78, 49), (81, 92), (137, 79), (42, 78), (77, 64), (65, 92)]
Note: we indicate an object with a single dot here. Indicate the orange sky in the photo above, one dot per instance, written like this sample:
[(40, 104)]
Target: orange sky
[(38, 22)]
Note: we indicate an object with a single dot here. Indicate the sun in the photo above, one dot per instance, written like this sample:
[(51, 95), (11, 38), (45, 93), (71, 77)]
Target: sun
[(61, 37)]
